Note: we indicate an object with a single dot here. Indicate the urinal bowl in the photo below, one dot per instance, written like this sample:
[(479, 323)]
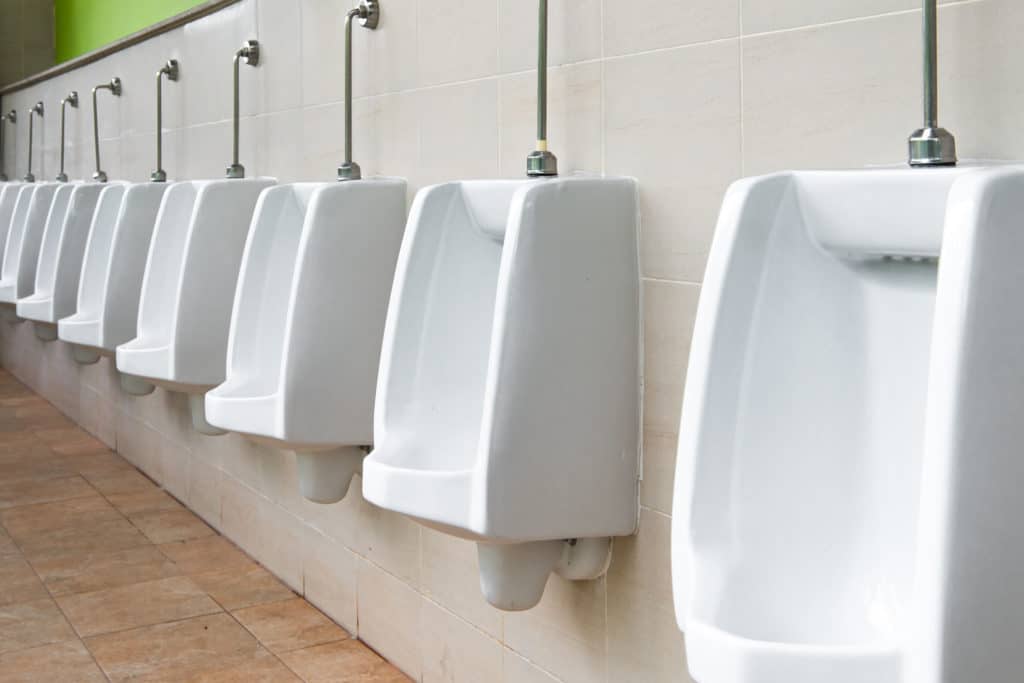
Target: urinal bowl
[(21, 252), (307, 325), (508, 398), (60, 258), (188, 288), (837, 379)]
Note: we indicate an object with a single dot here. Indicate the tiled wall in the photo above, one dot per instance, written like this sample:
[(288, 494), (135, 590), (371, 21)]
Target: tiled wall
[(686, 95), (26, 38)]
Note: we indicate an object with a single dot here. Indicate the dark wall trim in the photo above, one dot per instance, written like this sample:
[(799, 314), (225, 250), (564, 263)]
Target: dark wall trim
[(208, 7)]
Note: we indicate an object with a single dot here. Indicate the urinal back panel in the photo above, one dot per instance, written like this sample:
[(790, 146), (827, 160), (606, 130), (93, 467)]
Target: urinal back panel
[(71, 254), (12, 247), (96, 264), (130, 240), (164, 262), (339, 299), (32, 238), (46, 269), (208, 276), (436, 368), (8, 200), (256, 340)]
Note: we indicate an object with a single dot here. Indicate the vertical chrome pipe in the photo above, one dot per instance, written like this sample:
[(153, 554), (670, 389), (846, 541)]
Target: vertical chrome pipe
[(72, 99), (931, 145), (542, 162), (36, 110), (114, 86), (9, 117), (368, 14), (171, 70), (250, 54)]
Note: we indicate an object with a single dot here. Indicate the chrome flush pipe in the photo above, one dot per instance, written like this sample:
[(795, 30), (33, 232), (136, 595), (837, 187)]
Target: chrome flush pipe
[(72, 99), (541, 162), (36, 110), (9, 117), (114, 86), (170, 69), (368, 14), (250, 54), (931, 145)]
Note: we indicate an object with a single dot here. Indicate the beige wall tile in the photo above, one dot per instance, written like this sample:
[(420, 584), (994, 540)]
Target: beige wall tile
[(683, 144), (389, 618), (454, 651), (644, 643), (574, 33), (517, 669), (458, 41), (565, 633), (850, 97), (574, 119), (658, 483), (329, 579), (667, 23), (669, 312), (458, 132), (451, 577)]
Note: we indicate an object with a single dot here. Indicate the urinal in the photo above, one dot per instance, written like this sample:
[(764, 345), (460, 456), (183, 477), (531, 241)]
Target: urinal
[(508, 398), (188, 288), (847, 505), (308, 320), (60, 258), (111, 274), (21, 252)]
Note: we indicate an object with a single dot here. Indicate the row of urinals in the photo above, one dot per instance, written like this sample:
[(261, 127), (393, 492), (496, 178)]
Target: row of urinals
[(486, 354), (847, 505)]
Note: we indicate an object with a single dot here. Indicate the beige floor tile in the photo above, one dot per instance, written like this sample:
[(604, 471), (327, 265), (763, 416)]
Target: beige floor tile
[(93, 571), (103, 536), (263, 667), (29, 624), (168, 526), (25, 522), (18, 583), (120, 482), (135, 605), (347, 660), (210, 554), (238, 588), (289, 625), (71, 441), (184, 650), (68, 661), (14, 493), (137, 502)]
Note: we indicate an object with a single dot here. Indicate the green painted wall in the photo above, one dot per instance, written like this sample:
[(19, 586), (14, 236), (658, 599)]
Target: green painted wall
[(84, 25)]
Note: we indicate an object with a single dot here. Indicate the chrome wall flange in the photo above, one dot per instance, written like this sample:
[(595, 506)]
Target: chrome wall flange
[(369, 13)]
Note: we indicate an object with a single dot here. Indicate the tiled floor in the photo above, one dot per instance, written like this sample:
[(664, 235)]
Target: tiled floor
[(103, 576)]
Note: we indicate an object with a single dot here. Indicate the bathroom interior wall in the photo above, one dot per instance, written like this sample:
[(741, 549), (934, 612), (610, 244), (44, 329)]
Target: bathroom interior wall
[(26, 38), (685, 96)]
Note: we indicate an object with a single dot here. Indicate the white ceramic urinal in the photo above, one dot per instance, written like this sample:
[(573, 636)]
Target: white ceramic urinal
[(847, 502), (21, 252), (508, 399), (307, 325), (111, 278), (189, 286), (60, 258)]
